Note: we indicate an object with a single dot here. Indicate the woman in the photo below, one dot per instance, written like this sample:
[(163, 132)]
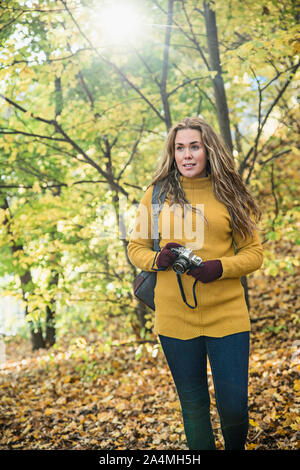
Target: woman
[(198, 174)]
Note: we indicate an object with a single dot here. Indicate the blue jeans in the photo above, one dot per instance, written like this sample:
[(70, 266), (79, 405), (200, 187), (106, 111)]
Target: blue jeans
[(229, 358)]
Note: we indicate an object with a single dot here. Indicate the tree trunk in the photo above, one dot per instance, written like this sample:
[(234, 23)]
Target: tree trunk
[(36, 332), (50, 316), (215, 66), (163, 85), (50, 327), (219, 92)]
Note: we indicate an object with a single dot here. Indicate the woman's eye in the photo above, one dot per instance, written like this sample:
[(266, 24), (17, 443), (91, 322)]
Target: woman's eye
[(193, 147)]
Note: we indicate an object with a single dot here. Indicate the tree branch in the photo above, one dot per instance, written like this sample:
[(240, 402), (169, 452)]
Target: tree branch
[(12, 21), (274, 196), (244, 164), (85, 88), (74, 144), (190, 80), (274, 157), (58, 185), (29, 134), (146, 65), (112, 65), (48, 61), (193, 38), (133, 152)]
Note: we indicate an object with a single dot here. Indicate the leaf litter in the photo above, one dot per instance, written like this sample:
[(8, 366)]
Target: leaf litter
[(82, 394)]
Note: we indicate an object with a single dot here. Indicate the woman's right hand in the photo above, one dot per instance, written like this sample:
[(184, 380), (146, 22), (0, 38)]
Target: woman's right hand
[(166, 257)]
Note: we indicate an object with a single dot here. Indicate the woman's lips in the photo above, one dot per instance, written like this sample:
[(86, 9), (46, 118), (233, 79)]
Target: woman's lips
[(189, 165)]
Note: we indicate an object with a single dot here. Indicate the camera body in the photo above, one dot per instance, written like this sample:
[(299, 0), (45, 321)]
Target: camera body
[(186, 260)]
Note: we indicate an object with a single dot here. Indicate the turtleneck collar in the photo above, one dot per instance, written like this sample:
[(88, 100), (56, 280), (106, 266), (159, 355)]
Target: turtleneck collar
[(195, 183)]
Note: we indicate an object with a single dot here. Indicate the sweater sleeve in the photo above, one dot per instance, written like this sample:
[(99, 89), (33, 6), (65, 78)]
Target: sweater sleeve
[(248, 257), (140, 247)]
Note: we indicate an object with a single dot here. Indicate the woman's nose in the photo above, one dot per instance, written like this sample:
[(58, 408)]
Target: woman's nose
[(187, 152)]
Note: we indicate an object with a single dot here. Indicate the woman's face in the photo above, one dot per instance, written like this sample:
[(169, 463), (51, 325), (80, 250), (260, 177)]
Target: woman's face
[(190, 153)]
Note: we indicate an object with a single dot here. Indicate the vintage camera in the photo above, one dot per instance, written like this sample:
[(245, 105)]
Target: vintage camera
[(186, 260)]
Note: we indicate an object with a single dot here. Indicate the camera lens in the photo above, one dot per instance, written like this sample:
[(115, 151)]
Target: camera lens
[(180, 266)]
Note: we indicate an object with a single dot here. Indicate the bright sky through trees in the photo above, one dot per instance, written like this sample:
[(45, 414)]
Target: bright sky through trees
[(119, 22)]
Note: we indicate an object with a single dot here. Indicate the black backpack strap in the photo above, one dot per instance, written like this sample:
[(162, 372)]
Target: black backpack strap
[(156, 208)]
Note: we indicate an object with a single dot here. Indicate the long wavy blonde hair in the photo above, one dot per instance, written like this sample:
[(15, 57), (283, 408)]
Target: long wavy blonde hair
[(227, 184)]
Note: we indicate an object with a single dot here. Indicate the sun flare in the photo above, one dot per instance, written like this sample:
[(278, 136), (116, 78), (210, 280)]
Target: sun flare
[(120, 23)]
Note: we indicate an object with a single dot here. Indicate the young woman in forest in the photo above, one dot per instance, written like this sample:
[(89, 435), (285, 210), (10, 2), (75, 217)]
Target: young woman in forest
[(204, 314)]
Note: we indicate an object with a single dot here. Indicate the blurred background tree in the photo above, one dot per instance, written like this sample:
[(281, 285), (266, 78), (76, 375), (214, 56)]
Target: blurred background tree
[(88, 91)]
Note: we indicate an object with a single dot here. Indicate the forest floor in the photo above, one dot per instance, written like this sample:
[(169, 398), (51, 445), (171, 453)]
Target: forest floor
[(85, 394)]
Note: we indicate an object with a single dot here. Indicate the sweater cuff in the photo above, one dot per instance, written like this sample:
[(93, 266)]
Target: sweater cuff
[(230, 268), (224, 273)]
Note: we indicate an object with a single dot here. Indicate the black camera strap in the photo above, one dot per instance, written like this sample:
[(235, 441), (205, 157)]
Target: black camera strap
[(183, 294)]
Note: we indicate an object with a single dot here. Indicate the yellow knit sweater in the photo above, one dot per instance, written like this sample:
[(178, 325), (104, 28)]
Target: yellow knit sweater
[(221, 308)]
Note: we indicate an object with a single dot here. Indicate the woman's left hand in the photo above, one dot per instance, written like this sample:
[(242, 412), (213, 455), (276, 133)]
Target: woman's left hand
[(209, 271)]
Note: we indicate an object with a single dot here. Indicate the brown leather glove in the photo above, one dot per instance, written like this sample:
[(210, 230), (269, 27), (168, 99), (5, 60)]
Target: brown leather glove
[(166, 257), (208, 272)]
